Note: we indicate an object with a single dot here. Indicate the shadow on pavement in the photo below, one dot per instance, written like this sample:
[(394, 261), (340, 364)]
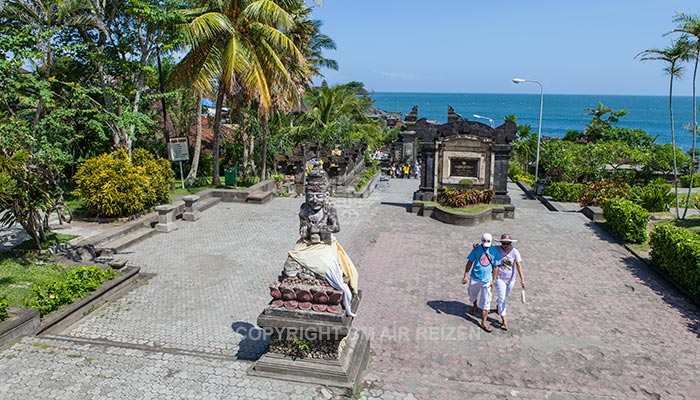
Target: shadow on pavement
[(458, 309), (407, 206), (668, 293), (254, 342), (656, 282)]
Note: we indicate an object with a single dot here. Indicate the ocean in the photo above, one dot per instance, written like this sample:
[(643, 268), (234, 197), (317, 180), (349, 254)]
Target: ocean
[(560, 112)]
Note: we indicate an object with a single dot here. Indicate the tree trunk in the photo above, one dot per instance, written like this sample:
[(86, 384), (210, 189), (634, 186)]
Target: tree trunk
[(216, 179), (244, 139), (192, 175), (673, 142), (695, 129), (264, 120)]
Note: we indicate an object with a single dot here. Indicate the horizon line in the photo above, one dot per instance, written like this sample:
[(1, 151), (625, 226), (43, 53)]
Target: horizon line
[(533, 94)]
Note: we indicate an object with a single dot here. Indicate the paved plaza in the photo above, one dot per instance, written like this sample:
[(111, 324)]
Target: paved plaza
[(598, 324)]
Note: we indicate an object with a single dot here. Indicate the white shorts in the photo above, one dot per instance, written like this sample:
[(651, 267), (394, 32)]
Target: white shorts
[(476, 287)]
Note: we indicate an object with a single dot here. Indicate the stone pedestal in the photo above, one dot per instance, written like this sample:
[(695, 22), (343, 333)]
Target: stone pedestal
[(191, 210), (344, 373), (166, 218)]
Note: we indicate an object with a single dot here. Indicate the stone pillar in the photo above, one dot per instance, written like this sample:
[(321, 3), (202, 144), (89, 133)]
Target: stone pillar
[(166, 218), (500, 173), (426, 156), (191, 208)]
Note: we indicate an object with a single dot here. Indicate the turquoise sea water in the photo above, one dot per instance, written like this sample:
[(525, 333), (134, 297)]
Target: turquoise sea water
[(560, 112)]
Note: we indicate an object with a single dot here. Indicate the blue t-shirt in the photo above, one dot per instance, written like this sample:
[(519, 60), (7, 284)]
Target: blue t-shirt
[(482, 270)]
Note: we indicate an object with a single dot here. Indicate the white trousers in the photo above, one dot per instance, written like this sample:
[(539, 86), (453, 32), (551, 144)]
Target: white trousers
[(503, 289), (475, 288)]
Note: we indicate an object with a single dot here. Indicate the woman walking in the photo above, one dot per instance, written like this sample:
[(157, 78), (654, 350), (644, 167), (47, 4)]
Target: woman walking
[(505, 280)]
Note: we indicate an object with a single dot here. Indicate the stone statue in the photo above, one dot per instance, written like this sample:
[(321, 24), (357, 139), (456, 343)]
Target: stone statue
[(317, 258)]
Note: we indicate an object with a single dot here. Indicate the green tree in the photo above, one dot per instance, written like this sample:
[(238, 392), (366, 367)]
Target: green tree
[(240, 47), (337, 116), (689, 24), (678, 51)]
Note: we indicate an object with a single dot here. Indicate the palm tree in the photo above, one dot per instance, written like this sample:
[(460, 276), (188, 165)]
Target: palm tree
[(242, 45), (679, 50), (689, 24)]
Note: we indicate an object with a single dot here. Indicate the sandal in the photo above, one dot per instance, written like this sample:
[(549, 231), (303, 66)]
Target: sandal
[(504, 327), (486, 328)]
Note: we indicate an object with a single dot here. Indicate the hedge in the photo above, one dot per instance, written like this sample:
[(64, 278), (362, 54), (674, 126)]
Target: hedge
[(676, 253), (564, 191), (626, 219), (112, 185)]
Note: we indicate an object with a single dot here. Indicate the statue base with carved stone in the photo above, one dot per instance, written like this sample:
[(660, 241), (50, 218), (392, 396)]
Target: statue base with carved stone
[(310, 346)]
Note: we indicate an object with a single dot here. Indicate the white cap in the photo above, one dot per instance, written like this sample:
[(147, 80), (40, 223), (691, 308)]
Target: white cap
[(486, 240)]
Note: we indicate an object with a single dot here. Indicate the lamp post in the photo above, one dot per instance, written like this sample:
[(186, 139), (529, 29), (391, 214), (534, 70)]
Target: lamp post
[(482, 117), (539, 126)]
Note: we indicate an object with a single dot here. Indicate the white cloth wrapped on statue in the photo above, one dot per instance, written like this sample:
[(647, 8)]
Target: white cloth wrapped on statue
[(331, 262)]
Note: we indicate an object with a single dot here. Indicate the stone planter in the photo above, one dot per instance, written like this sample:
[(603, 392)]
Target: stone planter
[(22, 322)]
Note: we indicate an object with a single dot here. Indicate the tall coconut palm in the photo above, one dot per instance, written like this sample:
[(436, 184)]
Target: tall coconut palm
[(243, 45), (678, 51), (689, 24)]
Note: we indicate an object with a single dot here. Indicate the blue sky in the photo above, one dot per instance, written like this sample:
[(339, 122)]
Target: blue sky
[(470, 46)]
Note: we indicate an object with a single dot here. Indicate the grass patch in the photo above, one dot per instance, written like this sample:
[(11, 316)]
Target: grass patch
[(19, 273), (51, 239), (691, 223), (471, 210)]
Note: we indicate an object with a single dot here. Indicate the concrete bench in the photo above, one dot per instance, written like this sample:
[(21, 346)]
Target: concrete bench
[(166, 218), (192, 212)]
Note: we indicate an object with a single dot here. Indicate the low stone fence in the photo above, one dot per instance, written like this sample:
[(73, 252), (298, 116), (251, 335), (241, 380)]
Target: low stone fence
[(454, 218)]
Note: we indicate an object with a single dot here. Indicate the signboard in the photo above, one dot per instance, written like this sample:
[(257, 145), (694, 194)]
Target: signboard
[(179, 150), (467, 167)]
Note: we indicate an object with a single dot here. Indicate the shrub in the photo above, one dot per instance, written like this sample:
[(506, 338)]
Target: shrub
[(159, 173), (76, 284), (461, 198), (626, 219), (4, 305), (111, 185), (655, 197), (595, 194), (529, 179), (676, 252), (466, 182), (685, 180), (564, 191), (367, 176)]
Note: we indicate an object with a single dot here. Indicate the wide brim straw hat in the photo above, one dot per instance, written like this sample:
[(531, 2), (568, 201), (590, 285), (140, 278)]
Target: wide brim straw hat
[(505, 238)]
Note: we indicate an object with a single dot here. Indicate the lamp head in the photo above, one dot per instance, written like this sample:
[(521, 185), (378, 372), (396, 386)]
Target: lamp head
[(518, 80)]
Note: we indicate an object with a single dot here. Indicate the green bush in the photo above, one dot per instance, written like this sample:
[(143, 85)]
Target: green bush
[(655, 197), (595, 194), (676, 252), (461, 198), (529, 179), (564, 191), (626, 219), (367, 176), (466, 183), (111, 185), (75, 285), (4, 305), (685, 180)]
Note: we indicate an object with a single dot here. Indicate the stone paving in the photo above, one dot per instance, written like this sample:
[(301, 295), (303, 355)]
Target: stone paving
[(597, 323)]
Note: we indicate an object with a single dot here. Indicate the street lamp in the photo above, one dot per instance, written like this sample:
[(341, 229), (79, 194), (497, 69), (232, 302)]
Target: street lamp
[(539, 126), (490, 120)]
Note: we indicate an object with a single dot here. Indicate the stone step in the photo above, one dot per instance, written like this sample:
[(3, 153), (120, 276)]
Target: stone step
[(122, 242), (259, 197), (208, 203)]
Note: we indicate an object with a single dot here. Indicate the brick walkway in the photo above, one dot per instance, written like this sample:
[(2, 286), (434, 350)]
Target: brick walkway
[(597, 323)]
